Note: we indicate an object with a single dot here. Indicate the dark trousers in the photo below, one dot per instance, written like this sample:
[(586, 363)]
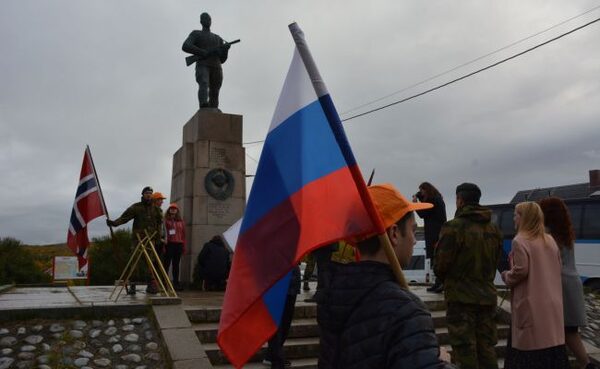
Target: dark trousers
[(323, 260), (209, 81), (172, 257), (275, 352)]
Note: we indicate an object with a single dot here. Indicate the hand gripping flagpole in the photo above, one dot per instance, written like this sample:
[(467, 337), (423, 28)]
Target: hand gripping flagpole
[(336, 125)]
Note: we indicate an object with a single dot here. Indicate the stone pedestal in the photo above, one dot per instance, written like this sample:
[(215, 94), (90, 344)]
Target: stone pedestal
[(211, 153)]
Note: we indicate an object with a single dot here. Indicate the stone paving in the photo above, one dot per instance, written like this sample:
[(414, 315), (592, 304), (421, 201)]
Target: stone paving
[(121, 343), (591, 333)]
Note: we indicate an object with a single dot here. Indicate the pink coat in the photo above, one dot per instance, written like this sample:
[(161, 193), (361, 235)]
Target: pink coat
[(537, 306)]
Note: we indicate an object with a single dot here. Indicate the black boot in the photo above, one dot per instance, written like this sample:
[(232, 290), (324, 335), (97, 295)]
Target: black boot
[(434, 288)]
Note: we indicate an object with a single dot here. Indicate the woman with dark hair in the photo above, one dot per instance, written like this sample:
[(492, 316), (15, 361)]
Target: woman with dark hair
[(537, 324), (558, 223), (433, 218)]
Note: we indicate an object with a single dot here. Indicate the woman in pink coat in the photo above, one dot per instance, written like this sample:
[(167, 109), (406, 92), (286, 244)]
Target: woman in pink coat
[(538, 338)]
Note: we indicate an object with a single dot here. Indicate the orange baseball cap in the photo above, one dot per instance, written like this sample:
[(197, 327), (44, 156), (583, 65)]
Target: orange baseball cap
[(173, 205), (158, 195), (391, 205)]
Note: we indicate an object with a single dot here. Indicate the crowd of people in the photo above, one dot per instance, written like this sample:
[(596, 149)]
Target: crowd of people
[(367, 320), (167, 235)]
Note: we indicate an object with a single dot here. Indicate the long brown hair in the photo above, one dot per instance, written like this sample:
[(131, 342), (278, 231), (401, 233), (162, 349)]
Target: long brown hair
[(558, 221), (532, 220), (430, 190)]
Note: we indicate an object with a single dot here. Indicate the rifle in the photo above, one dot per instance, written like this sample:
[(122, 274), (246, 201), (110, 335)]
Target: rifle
[(194, 58)]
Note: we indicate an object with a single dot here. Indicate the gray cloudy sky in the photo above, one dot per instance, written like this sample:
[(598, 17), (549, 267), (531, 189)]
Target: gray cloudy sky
[(111, 74)]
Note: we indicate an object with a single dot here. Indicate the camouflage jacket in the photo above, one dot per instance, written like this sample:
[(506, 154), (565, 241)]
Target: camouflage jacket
[(467, 255), (145, 216)]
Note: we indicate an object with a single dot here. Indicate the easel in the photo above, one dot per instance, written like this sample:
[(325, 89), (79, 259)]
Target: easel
[(145, 247)]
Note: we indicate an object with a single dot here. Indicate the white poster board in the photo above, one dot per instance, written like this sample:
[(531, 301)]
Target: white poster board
[(67, 267)]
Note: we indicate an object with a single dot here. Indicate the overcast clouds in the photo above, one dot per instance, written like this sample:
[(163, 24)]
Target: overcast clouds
[(111, 74)]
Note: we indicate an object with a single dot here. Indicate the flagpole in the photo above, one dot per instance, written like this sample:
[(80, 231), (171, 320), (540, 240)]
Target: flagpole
[(112, 234), (336, 123)]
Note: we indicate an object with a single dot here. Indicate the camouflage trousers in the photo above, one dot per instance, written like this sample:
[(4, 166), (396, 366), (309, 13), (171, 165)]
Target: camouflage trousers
[(473, 335)]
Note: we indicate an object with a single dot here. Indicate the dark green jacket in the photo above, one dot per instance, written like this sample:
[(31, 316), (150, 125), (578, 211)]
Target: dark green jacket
[(467, 255), (145, 216)]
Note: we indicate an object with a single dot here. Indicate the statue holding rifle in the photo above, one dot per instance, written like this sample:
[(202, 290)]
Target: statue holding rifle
[(208, 51)]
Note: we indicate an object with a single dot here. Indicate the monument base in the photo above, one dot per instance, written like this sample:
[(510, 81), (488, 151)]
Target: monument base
[(211, 153)]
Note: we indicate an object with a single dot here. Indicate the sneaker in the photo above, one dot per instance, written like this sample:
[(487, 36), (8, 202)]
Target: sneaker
[(130, 289), (305, 286), (437, 285)]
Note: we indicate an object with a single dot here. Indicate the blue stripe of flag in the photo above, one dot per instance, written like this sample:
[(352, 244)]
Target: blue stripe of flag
[(304, 139), (86, 186)]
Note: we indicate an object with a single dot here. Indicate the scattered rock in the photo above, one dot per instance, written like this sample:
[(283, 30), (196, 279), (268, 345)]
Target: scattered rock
[(55, 328), (102, 362), (27, 348), (132, 337), (44, 366), (126, 321), (26, 356), (110, 331), (79, 345), (103, 351), (81, 361), (152, 356), (37, 328), (95, 333), (121, 366), (24, 364), (151, 346), (133, 358), (127, 328), (4, 331), (97, 323), (34, 340), (84, 353), (8, 341), (134, 348), (111, 323), (6, 351), (138, 320), (75, 333), (148, 335), (117, 348), (21, 331), (44, 359), (79, 325), (46, 347)]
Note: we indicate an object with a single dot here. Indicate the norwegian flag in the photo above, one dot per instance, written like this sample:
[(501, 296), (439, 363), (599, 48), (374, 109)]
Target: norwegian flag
[(88, 206)]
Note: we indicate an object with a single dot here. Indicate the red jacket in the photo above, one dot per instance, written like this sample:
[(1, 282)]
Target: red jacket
[(175, 231)]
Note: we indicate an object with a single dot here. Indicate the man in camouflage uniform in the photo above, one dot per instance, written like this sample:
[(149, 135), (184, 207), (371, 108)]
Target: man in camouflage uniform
[(146, 217), (467, 254)]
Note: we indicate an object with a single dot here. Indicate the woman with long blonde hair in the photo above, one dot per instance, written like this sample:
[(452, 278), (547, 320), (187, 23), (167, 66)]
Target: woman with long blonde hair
[(538, 339)]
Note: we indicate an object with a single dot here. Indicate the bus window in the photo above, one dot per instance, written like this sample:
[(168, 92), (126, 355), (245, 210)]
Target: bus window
[(575, 212), (591, 221), (507, 225)]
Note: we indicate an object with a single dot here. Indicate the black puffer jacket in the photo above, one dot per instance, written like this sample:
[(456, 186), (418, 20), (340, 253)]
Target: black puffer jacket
[(368, 321)]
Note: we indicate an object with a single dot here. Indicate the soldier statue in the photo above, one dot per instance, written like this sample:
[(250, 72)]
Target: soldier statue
[(208, 51)]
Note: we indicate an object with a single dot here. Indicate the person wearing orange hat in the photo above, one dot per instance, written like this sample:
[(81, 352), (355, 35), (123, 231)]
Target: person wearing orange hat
[(175, 236), (366, 319)]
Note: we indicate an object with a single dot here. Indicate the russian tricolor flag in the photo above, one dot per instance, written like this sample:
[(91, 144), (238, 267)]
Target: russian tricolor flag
[(308, 192)]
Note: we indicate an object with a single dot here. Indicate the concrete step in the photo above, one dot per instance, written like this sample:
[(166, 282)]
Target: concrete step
[(294, 348), (442, 333), (206, 314), (301, 328), (310, 363)]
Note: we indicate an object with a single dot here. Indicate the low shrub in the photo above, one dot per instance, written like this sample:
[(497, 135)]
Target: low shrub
[(18, 265)]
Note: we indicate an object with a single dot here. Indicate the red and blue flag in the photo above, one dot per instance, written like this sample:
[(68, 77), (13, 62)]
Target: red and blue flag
[(88, 206), (308, 192)]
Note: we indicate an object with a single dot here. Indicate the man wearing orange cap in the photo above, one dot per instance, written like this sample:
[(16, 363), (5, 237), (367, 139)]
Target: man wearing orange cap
[(365, 318)]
